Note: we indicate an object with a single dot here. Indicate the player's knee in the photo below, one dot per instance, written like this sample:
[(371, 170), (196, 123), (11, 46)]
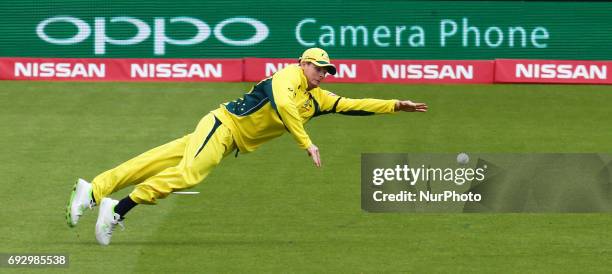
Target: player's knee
[(191, 179), (195, 172), (191, 176)]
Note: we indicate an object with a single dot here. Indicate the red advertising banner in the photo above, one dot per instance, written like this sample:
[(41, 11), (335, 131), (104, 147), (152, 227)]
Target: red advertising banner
[(386, 71), (97, 69), (348, 71), (552, 71)]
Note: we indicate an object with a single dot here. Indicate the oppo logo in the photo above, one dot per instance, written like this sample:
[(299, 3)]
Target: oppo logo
[(143, 32)]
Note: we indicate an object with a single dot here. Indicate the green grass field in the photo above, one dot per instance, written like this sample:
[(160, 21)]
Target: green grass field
[(272, 211)]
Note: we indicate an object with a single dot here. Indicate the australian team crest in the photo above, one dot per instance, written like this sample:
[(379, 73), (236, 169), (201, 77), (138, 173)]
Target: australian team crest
[(307, 105)]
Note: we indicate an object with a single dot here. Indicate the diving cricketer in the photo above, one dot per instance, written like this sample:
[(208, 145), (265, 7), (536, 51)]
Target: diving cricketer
[(283, 102)]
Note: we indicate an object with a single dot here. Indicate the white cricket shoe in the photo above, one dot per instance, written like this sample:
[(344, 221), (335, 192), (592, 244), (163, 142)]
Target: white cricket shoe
[(80, 199), (107, 220)]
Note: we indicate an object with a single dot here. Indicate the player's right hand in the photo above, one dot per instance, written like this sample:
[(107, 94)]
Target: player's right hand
[(313, 152), (409, 106)]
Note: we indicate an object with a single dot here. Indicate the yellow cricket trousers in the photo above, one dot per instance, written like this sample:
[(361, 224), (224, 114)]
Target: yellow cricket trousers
[(180, 164)]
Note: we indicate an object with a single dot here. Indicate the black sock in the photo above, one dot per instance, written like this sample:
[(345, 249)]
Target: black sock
[(93, 198), (124, 206)]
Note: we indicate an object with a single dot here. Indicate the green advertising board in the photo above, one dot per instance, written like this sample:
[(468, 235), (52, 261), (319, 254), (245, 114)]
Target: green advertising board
[(360, 29)]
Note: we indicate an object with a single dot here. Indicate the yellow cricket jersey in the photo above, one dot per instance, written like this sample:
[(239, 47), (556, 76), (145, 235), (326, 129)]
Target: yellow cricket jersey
[(281, 103)]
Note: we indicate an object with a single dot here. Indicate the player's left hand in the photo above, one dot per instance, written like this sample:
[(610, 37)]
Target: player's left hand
[(409, 106), (313, 152)]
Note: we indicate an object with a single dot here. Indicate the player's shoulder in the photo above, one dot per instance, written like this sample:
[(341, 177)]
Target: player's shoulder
[(292, 75), (323, 92), (289, 71), (319, 93)]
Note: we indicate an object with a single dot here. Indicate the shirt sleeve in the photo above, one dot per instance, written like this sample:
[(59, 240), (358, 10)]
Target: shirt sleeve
[(284, 88), (332, 103)]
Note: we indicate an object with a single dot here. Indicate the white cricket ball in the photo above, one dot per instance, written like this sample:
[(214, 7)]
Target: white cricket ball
[(463, 158)]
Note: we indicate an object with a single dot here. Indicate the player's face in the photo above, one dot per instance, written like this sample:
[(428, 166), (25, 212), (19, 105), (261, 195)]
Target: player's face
[(314, 74)]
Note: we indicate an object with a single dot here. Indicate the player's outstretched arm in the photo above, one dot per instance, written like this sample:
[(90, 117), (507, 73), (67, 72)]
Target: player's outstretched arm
[(409, 106)]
